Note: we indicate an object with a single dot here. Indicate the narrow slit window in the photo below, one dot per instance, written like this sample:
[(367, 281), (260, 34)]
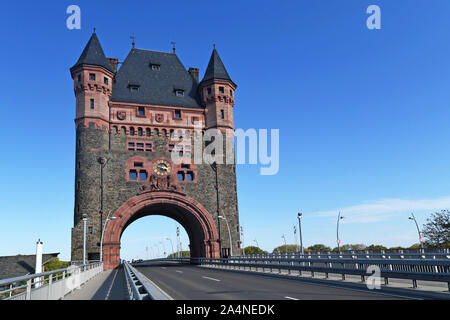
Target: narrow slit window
[(141, 111), (92, 76), (92, 103)]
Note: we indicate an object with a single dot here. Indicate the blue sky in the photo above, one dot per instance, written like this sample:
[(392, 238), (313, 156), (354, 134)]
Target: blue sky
[(362, 114)]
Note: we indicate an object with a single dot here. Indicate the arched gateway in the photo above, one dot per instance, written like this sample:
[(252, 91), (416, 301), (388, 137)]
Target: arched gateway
[(189, 213), (130, 123)]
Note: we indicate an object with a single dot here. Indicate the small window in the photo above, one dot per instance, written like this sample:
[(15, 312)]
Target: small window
[(133, 175), (92, 103), (140, 132), (147, 132), (134, 88), (155, 67), (179, 93), (189, 176), (90, 230), (185, 166), (209, 90), (222, 114), (138, 165), (221, 90), (92, 76), (141, 111), (105, 80), (132, 131), (177, 114), (231, 92), (142, 175), (79, 77), (180, 176)]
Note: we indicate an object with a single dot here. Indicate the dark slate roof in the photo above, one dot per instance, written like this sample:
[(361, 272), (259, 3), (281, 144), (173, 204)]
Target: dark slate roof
[(216, 69), (16, 266), (93, 55), (155, 87)]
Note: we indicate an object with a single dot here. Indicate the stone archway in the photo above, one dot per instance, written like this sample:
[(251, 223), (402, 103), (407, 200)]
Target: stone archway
[(195, 219)]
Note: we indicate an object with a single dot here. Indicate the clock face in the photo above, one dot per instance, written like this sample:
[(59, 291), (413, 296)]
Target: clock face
[(161, 167)]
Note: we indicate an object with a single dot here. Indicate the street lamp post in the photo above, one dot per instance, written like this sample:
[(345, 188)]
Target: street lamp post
[(214, 167), (257, 245), (418, 230), (84, 237), (337, 231), (171, 244), (285, 245), (164, 249), (300, 231), (229, 233), (103, 233), (242, 241)]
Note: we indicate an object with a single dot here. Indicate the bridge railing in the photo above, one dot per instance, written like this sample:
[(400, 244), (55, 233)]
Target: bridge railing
[(425, 269), (51, 285), (139, 287)]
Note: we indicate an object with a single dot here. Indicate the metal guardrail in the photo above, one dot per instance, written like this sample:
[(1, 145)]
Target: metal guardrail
[(141, 288), (437, 270), (51, 285)]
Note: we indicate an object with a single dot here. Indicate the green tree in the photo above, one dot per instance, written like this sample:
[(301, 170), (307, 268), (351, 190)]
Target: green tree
[(183, 254), (253, 250), (55, 264), (437, 229), (319, 248), (376, 247), (288, 248)]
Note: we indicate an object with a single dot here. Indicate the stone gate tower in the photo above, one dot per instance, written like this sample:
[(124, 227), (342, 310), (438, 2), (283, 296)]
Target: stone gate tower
[(130, 120)]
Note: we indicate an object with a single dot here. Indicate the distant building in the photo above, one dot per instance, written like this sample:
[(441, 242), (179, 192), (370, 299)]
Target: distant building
[(21, 265)]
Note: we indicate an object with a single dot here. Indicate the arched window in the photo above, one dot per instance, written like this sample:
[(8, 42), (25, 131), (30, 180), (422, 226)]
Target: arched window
[(132, 131), (124, 130), (140, 132), (148, 132)]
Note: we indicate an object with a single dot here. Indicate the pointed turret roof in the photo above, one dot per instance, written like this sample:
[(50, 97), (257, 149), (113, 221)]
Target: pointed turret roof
[(216, 69), (93, 55)]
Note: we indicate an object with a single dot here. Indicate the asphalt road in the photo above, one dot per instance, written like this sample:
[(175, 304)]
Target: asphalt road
[(188, 282)]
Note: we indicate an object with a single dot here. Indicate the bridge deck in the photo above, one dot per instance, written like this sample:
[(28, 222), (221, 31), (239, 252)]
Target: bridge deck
[(189, 282), (108, 285)]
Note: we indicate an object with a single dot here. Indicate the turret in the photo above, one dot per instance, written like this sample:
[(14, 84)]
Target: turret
[(93, 79), (217, 94)]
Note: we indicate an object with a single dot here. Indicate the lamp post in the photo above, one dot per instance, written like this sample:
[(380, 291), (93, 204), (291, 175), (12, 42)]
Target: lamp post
[(103, 233), (418, 230), (299, 215), (214, 167), (84, 237), (337, 231), (257, 245), (242, 241), (229, 233), (164, 249), (285, 245), (171, 244)]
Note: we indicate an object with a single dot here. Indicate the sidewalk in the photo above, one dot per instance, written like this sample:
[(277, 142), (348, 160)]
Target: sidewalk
[(108, 285)]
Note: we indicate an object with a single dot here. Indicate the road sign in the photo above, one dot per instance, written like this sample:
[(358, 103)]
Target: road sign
[(338, 241), (421, 239)]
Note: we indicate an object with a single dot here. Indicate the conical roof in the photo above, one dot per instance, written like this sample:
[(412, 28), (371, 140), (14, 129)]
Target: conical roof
[(216, 69), (93, 55)]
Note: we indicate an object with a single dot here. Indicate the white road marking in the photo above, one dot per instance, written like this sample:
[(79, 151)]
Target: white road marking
[(290, 298), (178, 271), (111, 285), (164, 268), (210, 278)]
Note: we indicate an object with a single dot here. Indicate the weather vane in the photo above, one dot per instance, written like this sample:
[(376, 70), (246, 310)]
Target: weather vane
[(173, 46), (133, 37)]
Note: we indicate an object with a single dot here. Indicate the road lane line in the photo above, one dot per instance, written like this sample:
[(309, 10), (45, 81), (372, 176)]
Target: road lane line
[(210, 278), (290, 298), (163, 268), (178, 271)]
